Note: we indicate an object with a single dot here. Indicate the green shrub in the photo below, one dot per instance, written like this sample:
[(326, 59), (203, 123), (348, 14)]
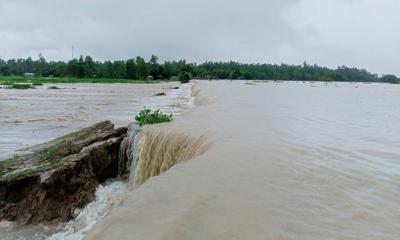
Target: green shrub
[(325, 78), (21, 86), (36, 83), (146, 116), (184, 77), (7, 82)]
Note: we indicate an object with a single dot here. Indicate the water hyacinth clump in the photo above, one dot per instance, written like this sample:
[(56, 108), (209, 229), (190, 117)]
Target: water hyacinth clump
[(146, 116)]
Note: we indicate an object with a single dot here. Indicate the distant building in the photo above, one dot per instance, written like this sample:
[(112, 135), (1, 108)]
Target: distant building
[(29, 74)]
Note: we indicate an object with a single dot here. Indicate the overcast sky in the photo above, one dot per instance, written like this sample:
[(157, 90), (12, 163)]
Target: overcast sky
[(360, 33)]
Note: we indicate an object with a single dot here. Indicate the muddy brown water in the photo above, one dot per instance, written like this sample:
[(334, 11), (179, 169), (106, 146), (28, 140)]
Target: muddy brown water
[(33, 116), (289, 161), (29, 117)]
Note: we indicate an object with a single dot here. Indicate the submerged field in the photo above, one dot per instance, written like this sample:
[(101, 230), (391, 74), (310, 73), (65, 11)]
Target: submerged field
[(33, 116), (286, 160), (54, 80)]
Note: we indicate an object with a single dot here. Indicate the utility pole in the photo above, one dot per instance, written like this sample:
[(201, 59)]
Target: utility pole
[(72, 52)]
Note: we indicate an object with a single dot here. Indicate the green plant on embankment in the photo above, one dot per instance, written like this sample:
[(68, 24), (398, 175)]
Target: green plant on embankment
[(146, 116)]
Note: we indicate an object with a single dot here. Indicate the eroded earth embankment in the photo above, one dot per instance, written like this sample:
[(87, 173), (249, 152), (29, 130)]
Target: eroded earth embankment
[(60, 176)]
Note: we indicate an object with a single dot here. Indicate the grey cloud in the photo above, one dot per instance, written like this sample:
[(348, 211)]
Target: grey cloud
[(362, 33)]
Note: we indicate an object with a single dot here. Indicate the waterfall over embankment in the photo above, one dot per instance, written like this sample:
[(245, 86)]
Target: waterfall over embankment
[(148, 151), (199, 98), (133, 153), (154, 149)]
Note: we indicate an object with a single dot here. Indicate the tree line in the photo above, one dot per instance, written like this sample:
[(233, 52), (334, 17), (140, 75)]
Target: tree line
[(138, 68)]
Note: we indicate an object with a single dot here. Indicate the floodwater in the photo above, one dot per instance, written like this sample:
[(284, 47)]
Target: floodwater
[(261, 160), (286, 161), (30, 117)]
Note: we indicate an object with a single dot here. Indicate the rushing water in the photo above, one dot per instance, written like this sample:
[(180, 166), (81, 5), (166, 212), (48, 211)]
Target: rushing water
[(270, 160), (287, 161), (33, 116)]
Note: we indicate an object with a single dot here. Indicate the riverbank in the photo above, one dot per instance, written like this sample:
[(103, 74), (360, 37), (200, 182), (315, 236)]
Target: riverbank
[(60, 176)]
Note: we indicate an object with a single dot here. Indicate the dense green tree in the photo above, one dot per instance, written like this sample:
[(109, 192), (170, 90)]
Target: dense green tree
[(138, 68), (141, 68), (153, 67), (184, 77), (89, 67), (390, 78), (131, 69), (73, 68), (119, 69), (153, 60), (40, 66)]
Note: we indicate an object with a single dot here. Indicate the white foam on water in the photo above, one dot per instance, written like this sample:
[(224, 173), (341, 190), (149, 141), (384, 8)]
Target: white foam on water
[(289, 161), (108, 195), (111, 193)]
